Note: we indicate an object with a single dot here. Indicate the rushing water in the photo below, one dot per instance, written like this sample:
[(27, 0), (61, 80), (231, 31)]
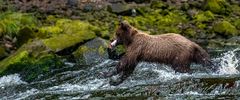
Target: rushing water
[(149, 81)]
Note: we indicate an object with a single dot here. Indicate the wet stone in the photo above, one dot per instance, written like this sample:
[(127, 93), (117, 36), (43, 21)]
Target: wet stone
[(92, 52)]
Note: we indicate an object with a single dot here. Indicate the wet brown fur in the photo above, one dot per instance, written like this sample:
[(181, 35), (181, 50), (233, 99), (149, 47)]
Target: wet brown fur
[(172, 49)]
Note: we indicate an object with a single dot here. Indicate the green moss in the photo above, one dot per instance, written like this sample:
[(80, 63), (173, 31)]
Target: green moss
[(237, 23), (157, 4), (204, 16), (190, 32), (81, 51), (225, 28), (11, 23), (101, 50), (216, 6), (235, 9), (201, 25), (50, 30), (157, 23), (30, 68), (75, 32), (78, 54), (14, 58)]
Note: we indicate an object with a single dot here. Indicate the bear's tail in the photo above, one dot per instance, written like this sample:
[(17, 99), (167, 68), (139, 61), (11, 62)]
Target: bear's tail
[(202, 57)]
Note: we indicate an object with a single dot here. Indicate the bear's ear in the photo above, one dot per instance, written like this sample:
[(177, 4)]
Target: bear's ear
[(125, 26)]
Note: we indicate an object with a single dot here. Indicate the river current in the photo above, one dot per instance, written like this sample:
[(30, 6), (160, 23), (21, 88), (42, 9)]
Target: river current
[(149, 81)]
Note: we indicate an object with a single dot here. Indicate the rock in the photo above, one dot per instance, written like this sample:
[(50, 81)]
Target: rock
[(74, 32), (216, 6), (24, 35), (30, 60), (235, 39), (119, 8), (92, 52), (225, 28), (72, 3)]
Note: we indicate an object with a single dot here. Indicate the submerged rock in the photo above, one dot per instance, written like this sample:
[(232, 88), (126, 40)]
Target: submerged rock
[(92, 52)]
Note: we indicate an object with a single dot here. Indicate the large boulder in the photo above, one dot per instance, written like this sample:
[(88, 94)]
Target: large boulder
[(34, 53), (92, 52)]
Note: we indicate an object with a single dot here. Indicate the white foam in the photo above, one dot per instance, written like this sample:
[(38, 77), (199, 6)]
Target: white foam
[(9, 80), (164, 75), (88, 86), (23, 95), (228, 63)]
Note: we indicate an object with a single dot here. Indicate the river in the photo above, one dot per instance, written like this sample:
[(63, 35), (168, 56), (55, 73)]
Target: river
[(149, 81)]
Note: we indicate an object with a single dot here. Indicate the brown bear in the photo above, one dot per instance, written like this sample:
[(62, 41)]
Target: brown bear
[(172, 49)]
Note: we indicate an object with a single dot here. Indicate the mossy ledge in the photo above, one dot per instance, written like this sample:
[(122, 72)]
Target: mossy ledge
[(33, 54)]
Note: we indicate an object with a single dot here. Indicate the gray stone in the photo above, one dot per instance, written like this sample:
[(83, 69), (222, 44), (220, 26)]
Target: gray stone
[(92, 52)]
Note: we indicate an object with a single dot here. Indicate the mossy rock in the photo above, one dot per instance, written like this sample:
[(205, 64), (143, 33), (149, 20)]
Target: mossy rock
[(73, 32), (31, 68), (157, 23), (225, 28), (14, 58), (24, 35), (49, 31), (11, 23), (30, 60), (34, 49), (204, 16), (217, 6), (92, 52)]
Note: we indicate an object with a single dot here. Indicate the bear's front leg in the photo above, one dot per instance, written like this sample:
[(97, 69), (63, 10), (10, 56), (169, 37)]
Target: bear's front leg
[(125, 67), (124, 75)]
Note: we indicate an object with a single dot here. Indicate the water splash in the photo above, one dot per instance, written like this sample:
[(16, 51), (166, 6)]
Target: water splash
[(228, 62), (22, 95), (9, 80)]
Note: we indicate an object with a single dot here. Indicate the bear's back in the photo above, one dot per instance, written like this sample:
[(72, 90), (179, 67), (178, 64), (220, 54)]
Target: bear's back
[(166, 47)]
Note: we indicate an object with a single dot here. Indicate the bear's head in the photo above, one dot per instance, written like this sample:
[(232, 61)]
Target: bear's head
[(124, 34)]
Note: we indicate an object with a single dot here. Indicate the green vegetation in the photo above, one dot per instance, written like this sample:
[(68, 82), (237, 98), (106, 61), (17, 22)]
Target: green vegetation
[(217, 6), (204, 16), (225, 28), (74, 32), (30, 68), (157, 23), (11, 23)]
